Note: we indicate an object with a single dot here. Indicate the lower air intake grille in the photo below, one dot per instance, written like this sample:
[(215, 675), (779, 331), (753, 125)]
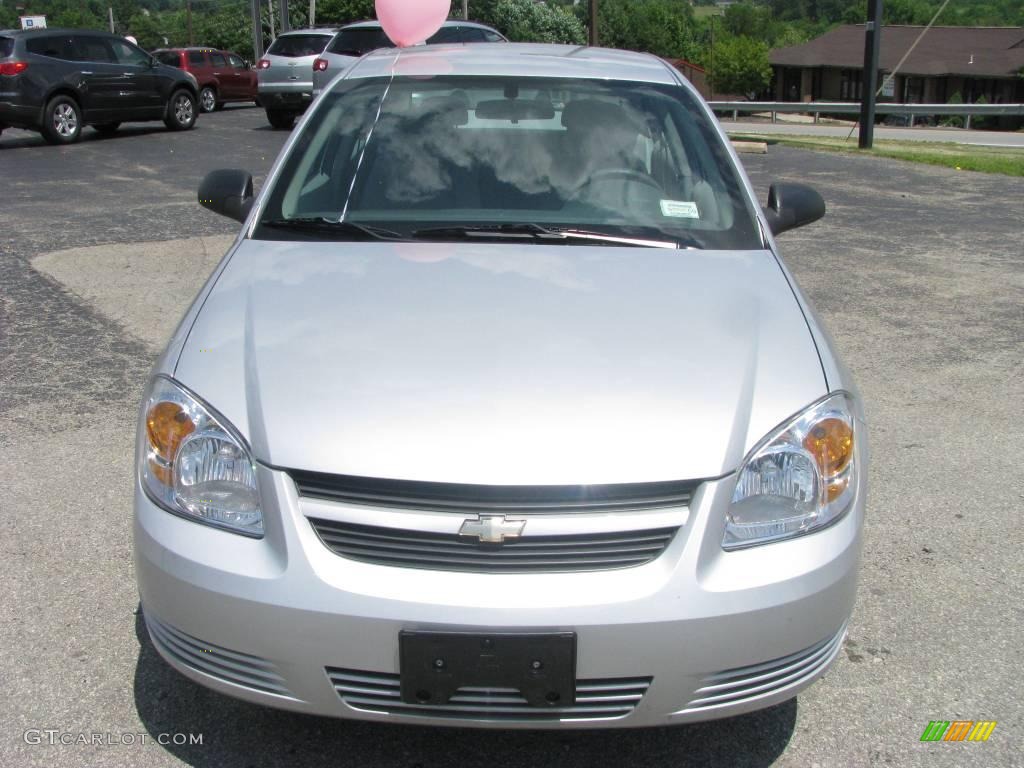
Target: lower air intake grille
[(595, 699), (742, 684), (450, 552), (229, 666)]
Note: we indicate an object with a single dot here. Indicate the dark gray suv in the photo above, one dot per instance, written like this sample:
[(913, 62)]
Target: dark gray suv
[(56, 81)]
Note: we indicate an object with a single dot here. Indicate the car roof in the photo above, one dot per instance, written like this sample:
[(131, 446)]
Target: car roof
[(373, 24), (327, 31), (522, 59)]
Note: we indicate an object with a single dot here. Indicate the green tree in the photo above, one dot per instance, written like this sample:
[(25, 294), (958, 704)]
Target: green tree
[(8, 18), (662, 27), (526, 21), (158, 30), (344, 11), (746, 19), (741, 66), (953, 121)]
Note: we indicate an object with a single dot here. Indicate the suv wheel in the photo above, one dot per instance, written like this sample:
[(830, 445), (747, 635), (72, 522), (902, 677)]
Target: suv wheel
[(207, 99), (281, 119), (181, 111), (107, 129), (62, 121)]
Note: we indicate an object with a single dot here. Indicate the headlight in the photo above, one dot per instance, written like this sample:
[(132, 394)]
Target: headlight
[(194, 464), (801, 477)]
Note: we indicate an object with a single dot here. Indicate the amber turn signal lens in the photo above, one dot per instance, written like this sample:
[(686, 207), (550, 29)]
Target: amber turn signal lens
[(836, 488), (167, 424), (161, 472), (830, 442)]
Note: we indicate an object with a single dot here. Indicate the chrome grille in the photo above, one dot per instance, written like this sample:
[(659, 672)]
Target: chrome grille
[(735, 686), (595, 699), (450, 552), (230, 666), (494, 499)]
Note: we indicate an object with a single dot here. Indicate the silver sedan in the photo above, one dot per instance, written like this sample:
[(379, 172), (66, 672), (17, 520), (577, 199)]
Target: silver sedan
[(502, 410)]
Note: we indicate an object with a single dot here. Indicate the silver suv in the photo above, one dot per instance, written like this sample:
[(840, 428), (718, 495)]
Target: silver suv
[(285, 74), (358, 39)]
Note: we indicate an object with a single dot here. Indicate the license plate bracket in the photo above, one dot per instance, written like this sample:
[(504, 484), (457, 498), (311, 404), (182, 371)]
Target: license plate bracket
[(541, 666)]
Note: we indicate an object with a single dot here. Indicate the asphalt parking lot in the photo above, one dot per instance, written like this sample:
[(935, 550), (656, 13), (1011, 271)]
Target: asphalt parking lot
[(917, 271)]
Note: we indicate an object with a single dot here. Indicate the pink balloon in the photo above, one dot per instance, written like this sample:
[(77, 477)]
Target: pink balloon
[(408, 22)]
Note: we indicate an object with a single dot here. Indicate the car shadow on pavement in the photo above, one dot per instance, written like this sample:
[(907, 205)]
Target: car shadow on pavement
[(238, 734), (19, 139)]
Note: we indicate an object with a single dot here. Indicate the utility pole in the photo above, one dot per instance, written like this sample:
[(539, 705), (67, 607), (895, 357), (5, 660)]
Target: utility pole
[(111, 10), (272, 33), (869, 81), (257, 32), (593, 22), (465, 9), (188, 12), (711, 69), (312, 13), (286, 23)]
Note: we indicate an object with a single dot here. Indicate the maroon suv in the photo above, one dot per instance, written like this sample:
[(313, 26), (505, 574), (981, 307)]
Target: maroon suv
[(223, 76)]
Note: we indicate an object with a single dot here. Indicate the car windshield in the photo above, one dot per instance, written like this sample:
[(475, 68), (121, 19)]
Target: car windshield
[(296, 46), (360, 40), (6, 47), (448, 156)]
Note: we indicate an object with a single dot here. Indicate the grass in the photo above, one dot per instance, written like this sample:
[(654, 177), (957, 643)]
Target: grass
[(704, 11), (962, 157)]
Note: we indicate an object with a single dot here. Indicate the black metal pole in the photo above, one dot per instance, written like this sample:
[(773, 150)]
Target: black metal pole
[(869, 81), (286, 22), (593, 22), (257, 32), (711, 69)]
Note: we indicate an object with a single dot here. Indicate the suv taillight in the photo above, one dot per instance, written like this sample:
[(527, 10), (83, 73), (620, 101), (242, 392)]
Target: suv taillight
[(262, 64), (320, 65), (13, 67)]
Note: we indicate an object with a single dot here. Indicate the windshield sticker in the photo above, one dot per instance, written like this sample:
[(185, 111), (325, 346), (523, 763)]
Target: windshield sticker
[(679, 209)]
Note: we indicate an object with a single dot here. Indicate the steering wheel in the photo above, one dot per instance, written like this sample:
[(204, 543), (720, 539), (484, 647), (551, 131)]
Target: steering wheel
[(617, 174)]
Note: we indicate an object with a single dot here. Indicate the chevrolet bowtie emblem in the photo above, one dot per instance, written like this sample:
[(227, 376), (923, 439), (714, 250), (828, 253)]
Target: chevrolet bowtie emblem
[(492, 529)]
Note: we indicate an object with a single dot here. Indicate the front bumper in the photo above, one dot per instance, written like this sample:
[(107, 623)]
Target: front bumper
[(697, 634)]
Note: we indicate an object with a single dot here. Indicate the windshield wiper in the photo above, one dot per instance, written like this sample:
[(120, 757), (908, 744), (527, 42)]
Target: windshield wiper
[(553, 235), (342, 230)]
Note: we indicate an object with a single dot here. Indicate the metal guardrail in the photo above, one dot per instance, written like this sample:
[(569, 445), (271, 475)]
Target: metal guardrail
[(818, 108)]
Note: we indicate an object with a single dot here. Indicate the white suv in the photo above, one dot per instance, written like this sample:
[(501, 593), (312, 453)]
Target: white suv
[(355, 40)]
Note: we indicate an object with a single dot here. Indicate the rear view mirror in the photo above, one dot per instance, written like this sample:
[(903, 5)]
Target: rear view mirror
[(227, 192), (515, 110), (791, 206)]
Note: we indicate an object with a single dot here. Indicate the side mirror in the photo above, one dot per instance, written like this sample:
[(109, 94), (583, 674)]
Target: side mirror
[(791, 206), (227, 192)]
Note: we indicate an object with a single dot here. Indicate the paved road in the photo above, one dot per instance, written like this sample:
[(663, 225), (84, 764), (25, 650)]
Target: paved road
[(1003, 139), (919, 276)]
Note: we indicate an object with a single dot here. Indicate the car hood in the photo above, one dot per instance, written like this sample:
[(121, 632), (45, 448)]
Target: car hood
[(501, 364)]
